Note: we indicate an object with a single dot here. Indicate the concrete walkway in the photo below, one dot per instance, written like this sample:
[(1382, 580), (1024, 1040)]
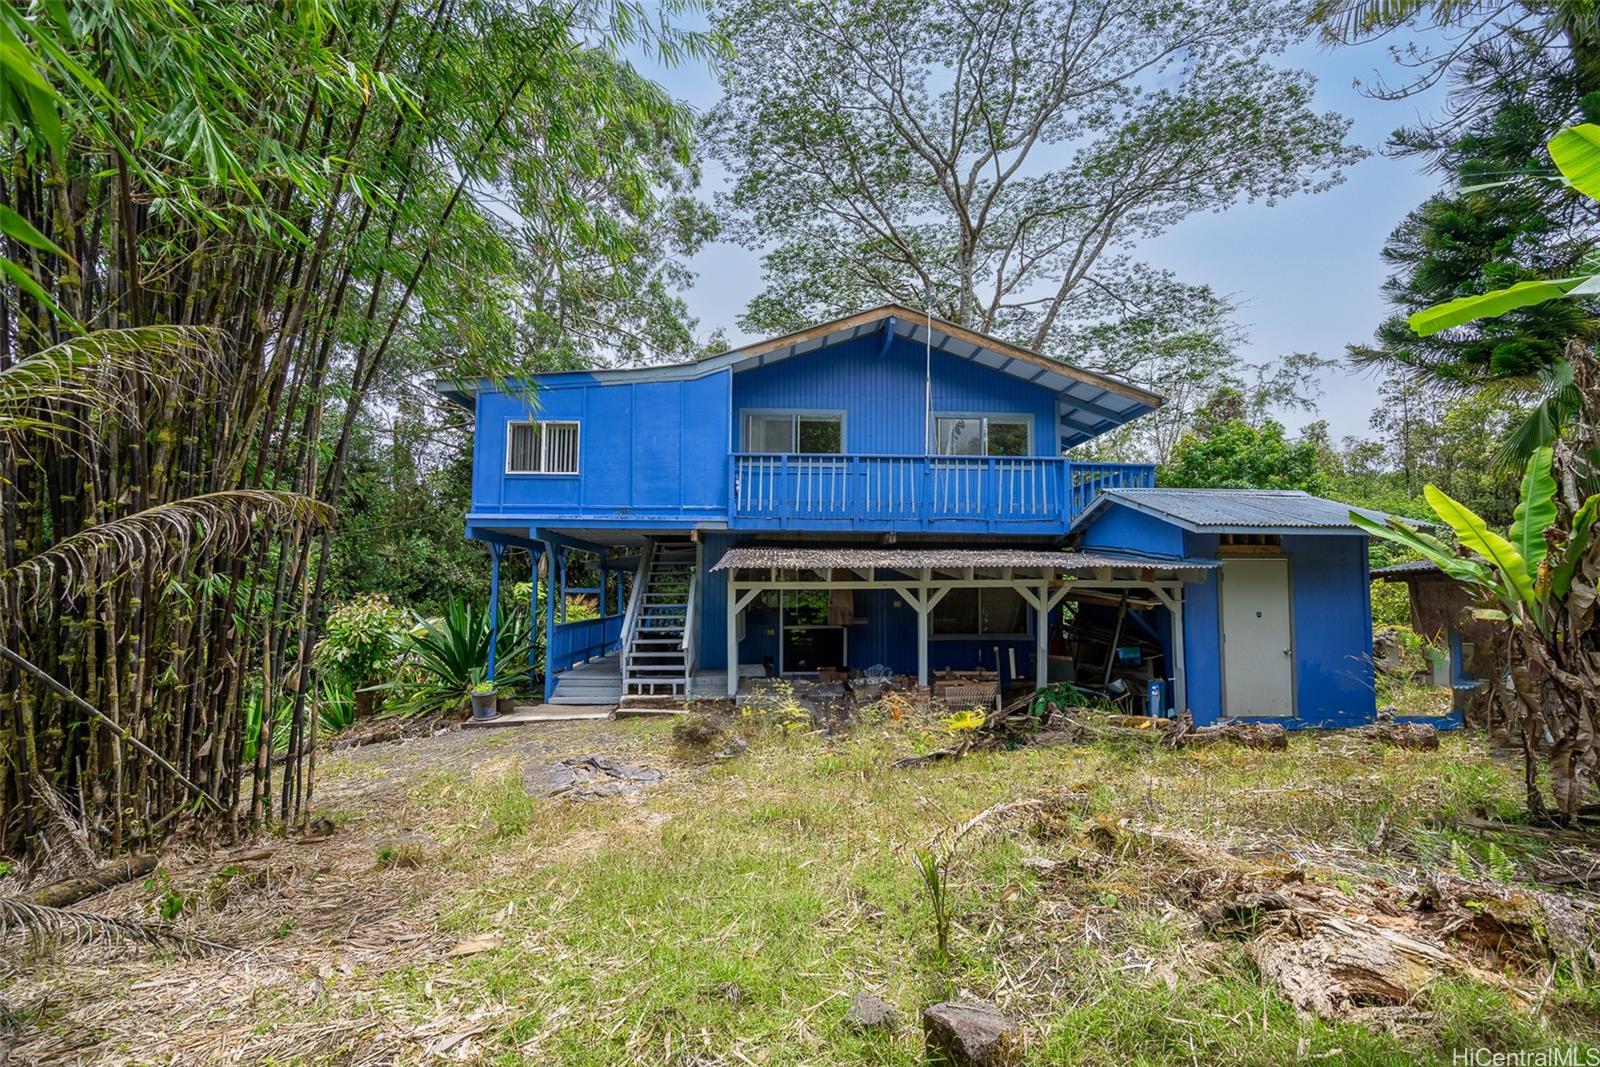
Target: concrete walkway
[(537, 713)]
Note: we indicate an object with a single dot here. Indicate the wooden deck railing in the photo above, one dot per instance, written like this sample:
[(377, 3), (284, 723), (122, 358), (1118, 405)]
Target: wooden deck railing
[(918, 489)]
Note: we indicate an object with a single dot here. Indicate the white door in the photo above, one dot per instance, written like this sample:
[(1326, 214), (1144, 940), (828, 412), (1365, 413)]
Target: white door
[(1257, 638)]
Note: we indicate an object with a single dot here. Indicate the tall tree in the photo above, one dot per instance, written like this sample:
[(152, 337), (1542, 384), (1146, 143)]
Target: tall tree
[(1503, 221), (1006, 158)]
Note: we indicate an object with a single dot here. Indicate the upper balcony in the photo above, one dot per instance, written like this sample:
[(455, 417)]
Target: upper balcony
[(999, 494)]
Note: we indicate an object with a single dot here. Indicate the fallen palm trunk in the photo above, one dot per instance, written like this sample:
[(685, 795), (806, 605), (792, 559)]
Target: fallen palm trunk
[(71, 890), (1414, 735), (1182, 733), (1367, 952)]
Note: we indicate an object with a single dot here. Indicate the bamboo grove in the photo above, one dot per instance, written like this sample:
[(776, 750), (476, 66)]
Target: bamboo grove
[(252, 222)]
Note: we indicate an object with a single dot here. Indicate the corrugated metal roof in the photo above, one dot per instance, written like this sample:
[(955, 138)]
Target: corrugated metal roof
[(902, 559), (1415, 566), (1237, 510)]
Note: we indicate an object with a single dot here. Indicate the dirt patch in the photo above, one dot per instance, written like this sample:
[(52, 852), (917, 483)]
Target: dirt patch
[(326, 928)]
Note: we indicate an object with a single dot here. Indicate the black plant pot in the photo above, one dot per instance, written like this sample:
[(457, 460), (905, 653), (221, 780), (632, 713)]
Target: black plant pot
[(485, 706)]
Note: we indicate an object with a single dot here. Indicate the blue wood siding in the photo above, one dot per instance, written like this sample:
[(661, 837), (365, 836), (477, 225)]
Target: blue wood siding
[(1330, 601), (647, 451), (1120, 528), (882, 394)]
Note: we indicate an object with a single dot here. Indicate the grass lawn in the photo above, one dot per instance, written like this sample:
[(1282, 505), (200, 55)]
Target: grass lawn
[(728, 914)]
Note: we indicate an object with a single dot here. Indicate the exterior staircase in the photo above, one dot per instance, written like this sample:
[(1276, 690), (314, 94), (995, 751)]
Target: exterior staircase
[(657, 641)]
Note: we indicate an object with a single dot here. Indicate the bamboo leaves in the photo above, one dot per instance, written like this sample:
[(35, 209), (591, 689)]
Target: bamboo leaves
[(80, 383)]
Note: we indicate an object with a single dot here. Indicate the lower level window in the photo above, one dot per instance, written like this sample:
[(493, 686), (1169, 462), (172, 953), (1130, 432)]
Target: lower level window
[(980, 612), (542, 448)]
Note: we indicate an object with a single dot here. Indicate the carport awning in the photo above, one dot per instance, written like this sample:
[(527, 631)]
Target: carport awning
[(908, 560)]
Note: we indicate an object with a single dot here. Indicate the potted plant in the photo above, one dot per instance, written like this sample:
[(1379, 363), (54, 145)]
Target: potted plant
[(485, 697)]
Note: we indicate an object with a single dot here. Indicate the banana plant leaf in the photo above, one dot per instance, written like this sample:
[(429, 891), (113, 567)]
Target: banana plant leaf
[(1536, 510), (1490, 305), (1577, 544), (1576, 151), (1467, 571), (1475, 534)]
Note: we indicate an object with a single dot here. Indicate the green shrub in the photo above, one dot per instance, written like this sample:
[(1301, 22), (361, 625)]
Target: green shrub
[(361, 643)]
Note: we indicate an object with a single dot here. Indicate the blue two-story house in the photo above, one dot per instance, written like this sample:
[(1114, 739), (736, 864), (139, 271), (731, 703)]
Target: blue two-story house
[(892, 491)]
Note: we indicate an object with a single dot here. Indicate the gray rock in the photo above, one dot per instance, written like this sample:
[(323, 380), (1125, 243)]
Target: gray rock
[(971, 1034), (557, 779), (868, 1013)]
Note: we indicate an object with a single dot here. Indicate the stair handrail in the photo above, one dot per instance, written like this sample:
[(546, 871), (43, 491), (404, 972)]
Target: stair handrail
[(641, 578), (687, 643)]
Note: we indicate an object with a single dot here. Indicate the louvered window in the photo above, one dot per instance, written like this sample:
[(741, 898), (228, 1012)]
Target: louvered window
[(542, 448)]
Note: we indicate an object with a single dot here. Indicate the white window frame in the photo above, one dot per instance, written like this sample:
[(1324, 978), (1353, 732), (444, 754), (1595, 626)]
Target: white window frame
[(795, 415), (984, 417), (544, 445)]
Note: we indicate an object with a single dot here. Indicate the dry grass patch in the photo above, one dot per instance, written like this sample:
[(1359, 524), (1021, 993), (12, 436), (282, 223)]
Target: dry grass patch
[(727, 914)]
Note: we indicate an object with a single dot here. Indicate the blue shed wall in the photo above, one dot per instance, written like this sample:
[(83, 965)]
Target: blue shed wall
[(1332, 613), (1117, 527), (882, 394), (646, 450), (1331, 605)]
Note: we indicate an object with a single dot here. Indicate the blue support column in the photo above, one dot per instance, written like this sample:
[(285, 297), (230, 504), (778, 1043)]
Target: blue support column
[(603, 581), (495, 552), (533, 611), (556, 562), (563, 557)]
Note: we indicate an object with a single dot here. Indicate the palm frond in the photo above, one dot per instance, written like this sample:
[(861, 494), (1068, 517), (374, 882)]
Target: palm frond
[(1558, 403), (1350, 21), (77, 384), (166, 535), (66, 847), (19, 916)]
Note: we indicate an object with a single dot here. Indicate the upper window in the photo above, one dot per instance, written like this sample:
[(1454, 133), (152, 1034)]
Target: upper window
[(980, 613), (793, 431), (542, 448), (982, 435)]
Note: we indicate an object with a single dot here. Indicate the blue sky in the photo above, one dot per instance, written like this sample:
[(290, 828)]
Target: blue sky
[(1306, 273)]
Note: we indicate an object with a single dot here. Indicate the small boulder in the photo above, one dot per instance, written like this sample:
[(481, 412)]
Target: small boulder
[(869, 1013), (971, 1034)]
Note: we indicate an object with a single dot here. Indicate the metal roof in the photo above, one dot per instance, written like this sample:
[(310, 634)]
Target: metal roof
[(913, 559), (1090, 403), (1237, 510), (1411, 567)]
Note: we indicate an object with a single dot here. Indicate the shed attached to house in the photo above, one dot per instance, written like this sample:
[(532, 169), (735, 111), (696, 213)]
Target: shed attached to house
[(1281, 630)]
